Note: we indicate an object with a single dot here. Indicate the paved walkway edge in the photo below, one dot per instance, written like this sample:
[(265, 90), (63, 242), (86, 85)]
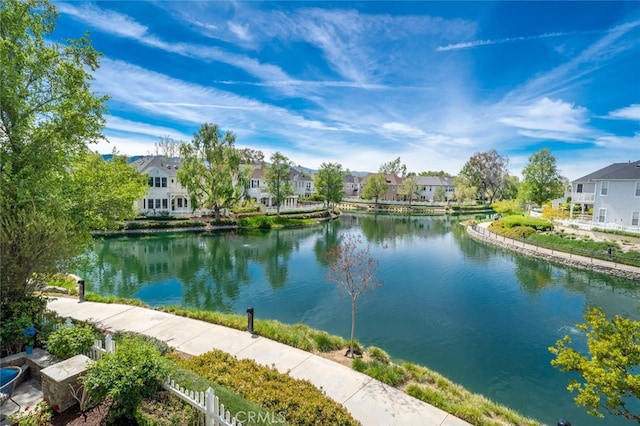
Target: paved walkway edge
[(368, 400), (480, 232)]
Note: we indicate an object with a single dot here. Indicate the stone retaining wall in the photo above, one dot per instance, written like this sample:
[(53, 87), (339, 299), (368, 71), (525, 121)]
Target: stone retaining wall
[(573, 261)]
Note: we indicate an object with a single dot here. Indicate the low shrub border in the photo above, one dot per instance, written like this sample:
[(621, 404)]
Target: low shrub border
[(295, 401), (416, 380)]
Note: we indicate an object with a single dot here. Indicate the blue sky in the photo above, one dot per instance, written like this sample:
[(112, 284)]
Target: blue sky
[(361, 83)]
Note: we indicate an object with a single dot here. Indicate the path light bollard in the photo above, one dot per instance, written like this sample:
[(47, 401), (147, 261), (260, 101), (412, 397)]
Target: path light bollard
[(80, 291), (563, 422), (250, 320)]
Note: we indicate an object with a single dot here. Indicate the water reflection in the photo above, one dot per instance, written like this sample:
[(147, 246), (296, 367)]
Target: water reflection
[(482, 316)]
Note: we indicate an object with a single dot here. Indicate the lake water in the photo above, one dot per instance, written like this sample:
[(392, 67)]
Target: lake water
[(481, 316)]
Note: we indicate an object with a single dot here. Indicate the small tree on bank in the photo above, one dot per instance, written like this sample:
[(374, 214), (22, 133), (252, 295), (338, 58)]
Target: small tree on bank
[(330, 183), (353, 270), (609, 373), (278, 179)]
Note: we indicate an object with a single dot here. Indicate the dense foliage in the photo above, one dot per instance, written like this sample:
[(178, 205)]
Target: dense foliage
[(279, 179), (134, 371), (609, 372), (329, 183), (298, 401), (67, 342), (375, 187), (485, 171), (53, 190), (211, 170), (542, 181)]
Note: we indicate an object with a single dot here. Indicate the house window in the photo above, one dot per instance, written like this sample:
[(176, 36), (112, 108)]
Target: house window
[(144, 203), (602, 215), (635, 218), (158, 203), (165, 203), (605, 188), (579, 188), (164, 182), (185, 202), (179, 202), (150, 181), (638, 188), (150, 203), (157, 182)]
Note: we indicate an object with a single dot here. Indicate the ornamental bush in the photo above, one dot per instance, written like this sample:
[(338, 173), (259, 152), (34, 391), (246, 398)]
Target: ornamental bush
[(67, 342), (535, 223), (133, 372)]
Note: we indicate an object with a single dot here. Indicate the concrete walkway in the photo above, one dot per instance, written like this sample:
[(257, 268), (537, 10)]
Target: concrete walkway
[(368, 400), (481, 232)]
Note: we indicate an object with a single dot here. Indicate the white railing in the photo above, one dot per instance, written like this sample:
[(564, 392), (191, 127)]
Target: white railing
[(583, 197), (206, 402), (594, 226), (303, 207)]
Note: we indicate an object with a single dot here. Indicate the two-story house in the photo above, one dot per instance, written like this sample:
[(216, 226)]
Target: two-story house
[(165, 194), (351, 185), (259, 190), (428, 187), (614, 194)]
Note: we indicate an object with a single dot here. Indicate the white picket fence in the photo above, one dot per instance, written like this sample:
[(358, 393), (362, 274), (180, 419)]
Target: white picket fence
[(206, 402)]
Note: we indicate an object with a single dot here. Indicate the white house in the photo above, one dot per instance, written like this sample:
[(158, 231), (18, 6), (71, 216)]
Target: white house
[(428, 185), (164, 194), (259, 192), (614, 194)]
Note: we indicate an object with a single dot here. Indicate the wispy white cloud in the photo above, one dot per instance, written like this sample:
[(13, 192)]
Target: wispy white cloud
[(632, 143), (548, 119), (567, 75), (478, 43), (632, 112)]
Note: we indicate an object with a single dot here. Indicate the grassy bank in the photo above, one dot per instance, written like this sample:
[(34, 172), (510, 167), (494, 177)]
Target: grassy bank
[(416, 380), (541, 233)]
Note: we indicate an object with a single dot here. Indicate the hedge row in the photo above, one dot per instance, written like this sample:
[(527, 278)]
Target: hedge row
[(298, 401), (533, 222)]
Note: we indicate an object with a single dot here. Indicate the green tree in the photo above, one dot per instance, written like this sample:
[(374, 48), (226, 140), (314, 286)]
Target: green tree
[(509, 188), (464, 191), (609, 372), (330, 183), (211, 170), (375, 187), (48, 115), (541, 179), (394, 167), (278, 179), (440, 194), (409, 188), (105, 190), (353, 270), (486, 172)]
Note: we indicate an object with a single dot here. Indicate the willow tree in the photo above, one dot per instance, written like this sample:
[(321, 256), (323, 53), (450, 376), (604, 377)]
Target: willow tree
[(212, 171), (278, 175)]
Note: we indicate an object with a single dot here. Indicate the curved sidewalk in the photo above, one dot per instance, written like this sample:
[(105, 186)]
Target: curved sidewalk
[(368, 400), (480, 232)]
